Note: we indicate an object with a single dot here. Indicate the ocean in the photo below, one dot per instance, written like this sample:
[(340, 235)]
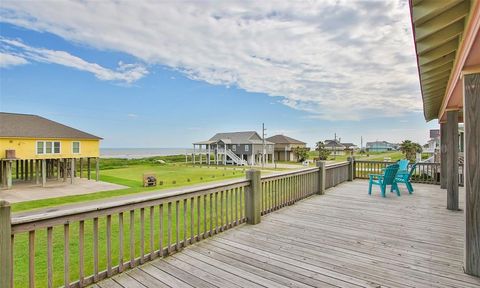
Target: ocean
[(134, 153)]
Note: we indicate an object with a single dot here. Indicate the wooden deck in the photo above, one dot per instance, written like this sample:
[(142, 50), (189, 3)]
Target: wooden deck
[(342, 239)]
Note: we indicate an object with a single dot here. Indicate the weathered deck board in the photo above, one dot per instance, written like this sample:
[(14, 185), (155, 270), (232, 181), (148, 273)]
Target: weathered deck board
[(344, 238)]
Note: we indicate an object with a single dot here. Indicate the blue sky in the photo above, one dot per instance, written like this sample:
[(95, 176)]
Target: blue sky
[(168, 75)]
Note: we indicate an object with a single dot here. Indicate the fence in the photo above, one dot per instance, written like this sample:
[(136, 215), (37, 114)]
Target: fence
[(90, 243)]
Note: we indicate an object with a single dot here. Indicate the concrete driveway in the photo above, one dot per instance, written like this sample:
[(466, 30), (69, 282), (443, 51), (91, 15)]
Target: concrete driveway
[(26, 191)]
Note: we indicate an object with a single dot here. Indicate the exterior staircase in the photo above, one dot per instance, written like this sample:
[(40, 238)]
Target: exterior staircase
[(235, 159)]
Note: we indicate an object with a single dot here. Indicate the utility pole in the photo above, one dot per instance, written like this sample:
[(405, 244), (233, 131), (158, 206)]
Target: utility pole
[(335, 147), (361, 143), (264, 148)]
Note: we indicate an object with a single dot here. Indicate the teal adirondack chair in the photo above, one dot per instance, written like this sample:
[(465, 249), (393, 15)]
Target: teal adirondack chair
[(403, 165), (406, 177), (388, 178)]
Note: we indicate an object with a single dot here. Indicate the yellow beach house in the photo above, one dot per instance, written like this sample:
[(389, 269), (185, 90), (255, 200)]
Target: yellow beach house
[(36, 149)]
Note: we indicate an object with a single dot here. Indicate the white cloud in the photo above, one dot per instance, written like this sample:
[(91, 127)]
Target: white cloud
[(127, 73), (8, 60), (334, 59)]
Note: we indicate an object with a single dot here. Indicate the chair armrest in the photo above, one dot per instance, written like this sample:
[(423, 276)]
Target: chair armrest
[(375, 176)]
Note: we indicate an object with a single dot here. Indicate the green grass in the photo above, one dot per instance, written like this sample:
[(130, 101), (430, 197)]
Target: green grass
[(21, 240), (131, 176)]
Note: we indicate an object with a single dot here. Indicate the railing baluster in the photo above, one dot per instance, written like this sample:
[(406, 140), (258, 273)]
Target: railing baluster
[(211, 214), (120, 242), (236, 206), (152, 233), (184, 222), (198, 220), (81, 253), (177, 229), (192, 220), (160, 229), (95, 249), (226, 208), (204, 215), (216, 212), (31, 258), (142, 235), (231, 208), (109, 245), (221, 211), (49, 257), (169, 223), (66, 255), (132, 238)]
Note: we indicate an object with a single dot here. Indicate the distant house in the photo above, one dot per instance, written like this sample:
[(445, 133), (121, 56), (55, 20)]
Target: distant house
[(350, 146), (235, 148), (381, 146), (284, 147), (335, 147), (32, 147)]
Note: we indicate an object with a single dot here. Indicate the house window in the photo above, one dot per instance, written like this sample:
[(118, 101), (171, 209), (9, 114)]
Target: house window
[(246, 148), (48, 147), (40, 147), (75, 147), (234, 147), (56, 147)]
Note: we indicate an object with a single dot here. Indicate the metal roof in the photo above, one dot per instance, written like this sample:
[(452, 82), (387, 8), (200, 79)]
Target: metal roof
[(32, 126), (438, 28)]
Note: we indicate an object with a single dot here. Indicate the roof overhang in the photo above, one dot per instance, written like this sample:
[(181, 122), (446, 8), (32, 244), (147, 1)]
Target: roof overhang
[(447, 46)]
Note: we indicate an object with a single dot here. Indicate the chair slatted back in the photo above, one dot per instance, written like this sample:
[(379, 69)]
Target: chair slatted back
[(403, 164), (390, 173), (412, 170)]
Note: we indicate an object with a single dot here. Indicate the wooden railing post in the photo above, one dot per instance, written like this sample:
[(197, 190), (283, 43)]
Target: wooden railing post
[(5, 245), (321, 177), (253, 197), (350, 168)]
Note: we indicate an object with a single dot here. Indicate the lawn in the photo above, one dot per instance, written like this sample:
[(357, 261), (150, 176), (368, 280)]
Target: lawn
[(124, 173)]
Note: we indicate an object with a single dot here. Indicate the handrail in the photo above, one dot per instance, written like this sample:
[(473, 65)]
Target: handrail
[(166, 195)]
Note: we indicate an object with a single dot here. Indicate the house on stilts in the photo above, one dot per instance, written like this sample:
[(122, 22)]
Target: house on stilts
[(234, 148)]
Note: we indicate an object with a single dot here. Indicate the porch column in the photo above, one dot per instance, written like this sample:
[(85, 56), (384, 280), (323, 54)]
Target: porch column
[(193, 155), (89, 168), (97, 169), (208, 160), (225, 154), (472, 171), (25, 171), (8, 173), (58, 170), (443, 156), (44, 172), (72, 170), (452, 160), (81, 167), (65, 170), (37, 172)]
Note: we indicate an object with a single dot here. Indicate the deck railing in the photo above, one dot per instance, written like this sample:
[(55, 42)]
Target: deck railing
[(88, 243)]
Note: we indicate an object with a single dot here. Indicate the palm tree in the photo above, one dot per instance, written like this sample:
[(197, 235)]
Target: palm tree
[(322, 152), (409, 149)]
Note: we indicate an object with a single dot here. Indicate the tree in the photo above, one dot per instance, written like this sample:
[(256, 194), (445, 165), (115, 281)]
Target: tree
[(301, 153), (409, 149), (323, 153)]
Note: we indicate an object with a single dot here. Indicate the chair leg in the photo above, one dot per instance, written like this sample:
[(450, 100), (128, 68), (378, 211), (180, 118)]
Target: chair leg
[(395, 185), (409, 187), (383, 190), (370, 188)]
